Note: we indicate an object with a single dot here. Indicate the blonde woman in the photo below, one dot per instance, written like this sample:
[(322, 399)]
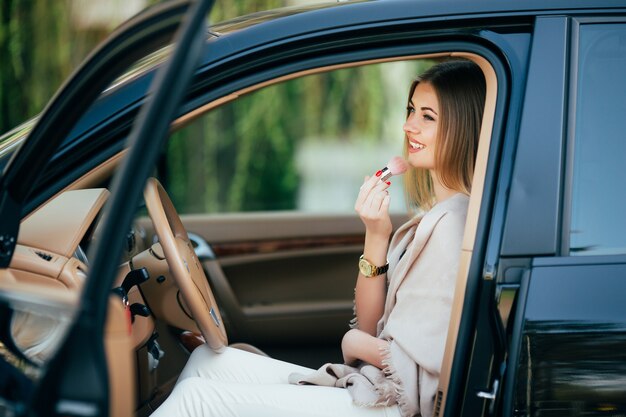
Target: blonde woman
[(403, 293)]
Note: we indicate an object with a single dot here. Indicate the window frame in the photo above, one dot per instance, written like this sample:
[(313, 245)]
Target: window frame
[(197, 114)]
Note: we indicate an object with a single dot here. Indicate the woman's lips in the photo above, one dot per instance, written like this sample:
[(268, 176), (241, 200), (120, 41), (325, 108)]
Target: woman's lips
[(415, 146)]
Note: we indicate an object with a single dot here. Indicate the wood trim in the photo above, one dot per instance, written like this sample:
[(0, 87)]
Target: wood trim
[(226, 249)]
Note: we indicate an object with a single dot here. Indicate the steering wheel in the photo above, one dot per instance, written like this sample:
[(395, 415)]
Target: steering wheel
[(184, 265)]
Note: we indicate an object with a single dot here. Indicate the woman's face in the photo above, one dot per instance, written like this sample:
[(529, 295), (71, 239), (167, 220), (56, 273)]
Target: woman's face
[(421, 126)]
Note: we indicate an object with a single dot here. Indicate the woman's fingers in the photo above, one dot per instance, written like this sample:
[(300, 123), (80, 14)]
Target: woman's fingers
[(385, 204), (376, 193), (377, 199), (368, 184), (377, 204), (374, 209)]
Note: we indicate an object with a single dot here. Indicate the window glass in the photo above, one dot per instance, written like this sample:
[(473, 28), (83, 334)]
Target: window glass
[(598, 223), (304, 144)]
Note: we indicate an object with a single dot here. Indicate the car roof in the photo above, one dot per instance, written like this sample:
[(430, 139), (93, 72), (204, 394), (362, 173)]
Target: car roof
[(362, 11), (291, 21)]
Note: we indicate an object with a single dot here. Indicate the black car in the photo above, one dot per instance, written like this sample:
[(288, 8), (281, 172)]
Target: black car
[(93, 289)]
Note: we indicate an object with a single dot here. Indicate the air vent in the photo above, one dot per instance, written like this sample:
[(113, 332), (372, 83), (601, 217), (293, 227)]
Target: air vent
[(438, 400), (44, 256)]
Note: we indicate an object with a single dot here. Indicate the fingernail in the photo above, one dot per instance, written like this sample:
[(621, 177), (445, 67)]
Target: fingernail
[(379, 173), (388, 182)]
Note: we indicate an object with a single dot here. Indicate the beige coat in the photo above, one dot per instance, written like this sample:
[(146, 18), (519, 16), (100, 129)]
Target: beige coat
[(415, 321)]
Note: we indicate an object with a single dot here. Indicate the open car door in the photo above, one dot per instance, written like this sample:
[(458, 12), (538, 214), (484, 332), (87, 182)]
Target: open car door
[(78, 380)]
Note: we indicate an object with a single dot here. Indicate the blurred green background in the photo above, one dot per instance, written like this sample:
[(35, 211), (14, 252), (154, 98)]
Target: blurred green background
[(43, 41)]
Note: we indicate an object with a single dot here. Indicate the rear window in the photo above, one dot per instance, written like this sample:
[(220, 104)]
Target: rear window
[(598, 222)]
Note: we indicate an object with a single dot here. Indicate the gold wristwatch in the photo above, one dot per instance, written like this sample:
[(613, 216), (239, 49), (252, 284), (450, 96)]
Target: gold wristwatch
[(369, 270)]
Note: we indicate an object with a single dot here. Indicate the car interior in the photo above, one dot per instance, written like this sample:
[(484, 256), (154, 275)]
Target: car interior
[(269, 280)]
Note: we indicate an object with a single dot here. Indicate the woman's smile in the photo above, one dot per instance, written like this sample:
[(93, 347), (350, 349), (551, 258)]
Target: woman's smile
[(415, 146)]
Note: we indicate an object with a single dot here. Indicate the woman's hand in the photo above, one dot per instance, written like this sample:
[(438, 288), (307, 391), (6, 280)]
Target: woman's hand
[(372, 205), (358, 345)]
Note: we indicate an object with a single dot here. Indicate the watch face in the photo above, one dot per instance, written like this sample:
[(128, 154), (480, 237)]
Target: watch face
[(365, 267)]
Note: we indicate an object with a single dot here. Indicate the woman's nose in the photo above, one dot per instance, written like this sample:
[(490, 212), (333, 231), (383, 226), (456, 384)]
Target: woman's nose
[(410, 125)]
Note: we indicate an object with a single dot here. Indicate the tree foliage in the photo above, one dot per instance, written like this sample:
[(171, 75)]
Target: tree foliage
[(35, 55), (40, 45)]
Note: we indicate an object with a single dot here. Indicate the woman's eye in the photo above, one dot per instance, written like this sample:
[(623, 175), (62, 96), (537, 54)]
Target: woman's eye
[(429, 118), (410, 109)]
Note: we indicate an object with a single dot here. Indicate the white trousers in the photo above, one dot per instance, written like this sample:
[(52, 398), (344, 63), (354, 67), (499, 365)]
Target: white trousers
[(237, 383)]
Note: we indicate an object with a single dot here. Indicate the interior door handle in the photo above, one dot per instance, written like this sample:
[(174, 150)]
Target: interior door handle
[(202, 247), (491, 396)]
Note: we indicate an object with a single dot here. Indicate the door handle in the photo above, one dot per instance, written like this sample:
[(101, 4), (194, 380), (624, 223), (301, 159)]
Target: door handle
[(201, 247), (491, 396)]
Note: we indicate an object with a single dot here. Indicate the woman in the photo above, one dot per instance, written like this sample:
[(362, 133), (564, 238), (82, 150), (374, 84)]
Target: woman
[(394, 351)]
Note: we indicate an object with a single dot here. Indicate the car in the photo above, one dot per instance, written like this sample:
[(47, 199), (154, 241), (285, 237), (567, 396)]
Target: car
[(98, 314)]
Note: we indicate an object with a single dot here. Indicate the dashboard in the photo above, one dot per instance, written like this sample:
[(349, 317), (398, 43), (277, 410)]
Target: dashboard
[(51, 255)]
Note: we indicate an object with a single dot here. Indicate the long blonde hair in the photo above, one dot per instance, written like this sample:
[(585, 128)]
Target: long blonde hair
[(460, 88)]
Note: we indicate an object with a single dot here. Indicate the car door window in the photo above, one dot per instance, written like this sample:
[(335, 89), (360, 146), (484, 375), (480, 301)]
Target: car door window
[(598, 224), (304, 144)]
